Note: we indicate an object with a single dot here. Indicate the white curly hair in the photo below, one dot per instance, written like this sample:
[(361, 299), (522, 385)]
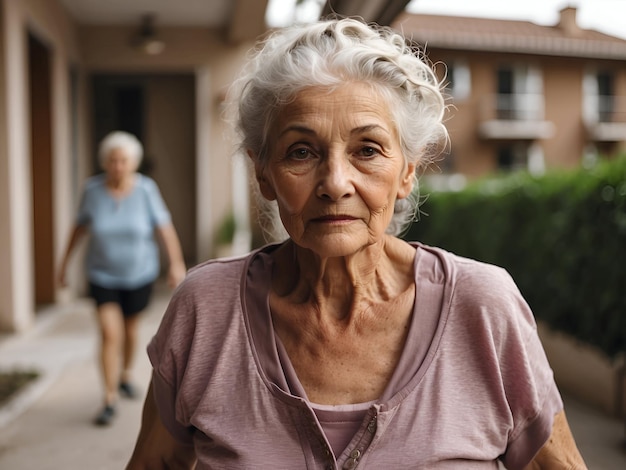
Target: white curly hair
[(330, 53), (120, 140)]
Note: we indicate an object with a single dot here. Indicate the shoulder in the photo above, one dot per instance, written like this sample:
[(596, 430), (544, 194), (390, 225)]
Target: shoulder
[(472, 277), (215, 284), (464, 273), (146, 183), (206, 304), (210, 290), (217, 275), (484, 280), (144, 180), (94, 183), (481, 294), (93, 191)]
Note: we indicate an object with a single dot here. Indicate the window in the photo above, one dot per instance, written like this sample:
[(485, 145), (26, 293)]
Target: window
[(519, 93), (521, 156), (599, 96), (508, 158), (458, 78), (605, 95)]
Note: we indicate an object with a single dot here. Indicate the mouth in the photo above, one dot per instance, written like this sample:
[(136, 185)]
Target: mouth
[(334, 219)]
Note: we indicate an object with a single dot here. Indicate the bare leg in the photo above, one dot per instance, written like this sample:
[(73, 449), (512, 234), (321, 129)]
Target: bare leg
[(131, 333), (111, 323)]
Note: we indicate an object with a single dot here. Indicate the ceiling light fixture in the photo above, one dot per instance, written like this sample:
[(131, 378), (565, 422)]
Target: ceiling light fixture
[(146, 39)]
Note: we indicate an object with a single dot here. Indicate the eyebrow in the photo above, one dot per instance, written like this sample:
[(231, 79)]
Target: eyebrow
[(356, 130), (368, 128), (297, 128)]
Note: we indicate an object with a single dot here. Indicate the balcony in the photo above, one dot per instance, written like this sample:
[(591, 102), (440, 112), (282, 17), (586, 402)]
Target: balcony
[(518, 116), (605, 118)]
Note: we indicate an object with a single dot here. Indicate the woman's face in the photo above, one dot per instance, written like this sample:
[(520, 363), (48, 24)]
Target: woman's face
[(119, 164), (335, 168)]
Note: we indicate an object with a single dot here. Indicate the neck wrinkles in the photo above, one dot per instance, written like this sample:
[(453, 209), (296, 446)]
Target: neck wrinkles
[(338, 286)]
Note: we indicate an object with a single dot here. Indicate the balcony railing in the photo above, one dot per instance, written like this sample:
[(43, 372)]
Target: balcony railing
[(605, 118), (519, 107), (514, 116), (601, 108)]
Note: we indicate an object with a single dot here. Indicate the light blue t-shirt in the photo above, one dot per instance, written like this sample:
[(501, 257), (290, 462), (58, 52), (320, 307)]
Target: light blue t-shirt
[(122, 252)]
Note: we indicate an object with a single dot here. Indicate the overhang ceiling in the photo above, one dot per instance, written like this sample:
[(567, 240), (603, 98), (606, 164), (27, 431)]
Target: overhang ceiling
[(211, 13), (240, 20), (214, 13)]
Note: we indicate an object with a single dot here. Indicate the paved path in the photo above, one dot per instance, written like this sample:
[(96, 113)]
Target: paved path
[(49, 426)]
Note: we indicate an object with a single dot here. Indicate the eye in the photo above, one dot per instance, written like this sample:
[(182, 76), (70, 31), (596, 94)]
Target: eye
[(299, 153), (368, 151)]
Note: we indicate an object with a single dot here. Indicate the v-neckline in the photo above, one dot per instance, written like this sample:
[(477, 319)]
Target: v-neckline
[(118, 198), (414, 360)]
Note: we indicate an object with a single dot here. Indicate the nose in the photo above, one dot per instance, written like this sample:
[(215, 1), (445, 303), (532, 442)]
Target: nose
[(335, 179), (117, 166)]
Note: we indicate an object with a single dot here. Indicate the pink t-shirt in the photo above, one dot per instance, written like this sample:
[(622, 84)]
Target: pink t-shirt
[(472, 386)]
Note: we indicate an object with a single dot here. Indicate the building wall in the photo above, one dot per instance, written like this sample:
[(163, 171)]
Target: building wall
[(6, 259), (476, 157), (470, 155), (46, 20), (77, 53), (563, 92), (170, 139), (562, 79)]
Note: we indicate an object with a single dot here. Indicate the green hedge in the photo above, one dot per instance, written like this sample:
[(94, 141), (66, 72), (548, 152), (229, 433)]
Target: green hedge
[(562, 237)]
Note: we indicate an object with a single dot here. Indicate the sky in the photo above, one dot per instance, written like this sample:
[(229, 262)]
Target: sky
[(607, 16)]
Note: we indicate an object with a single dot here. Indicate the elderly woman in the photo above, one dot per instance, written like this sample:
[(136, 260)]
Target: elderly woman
[(121, 209), (344, 346)]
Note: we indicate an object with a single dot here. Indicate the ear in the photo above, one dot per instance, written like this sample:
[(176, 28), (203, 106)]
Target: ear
[(267, 190), (406, 181)]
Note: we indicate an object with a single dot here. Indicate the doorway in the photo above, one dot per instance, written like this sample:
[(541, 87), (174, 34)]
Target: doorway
[(40, 82)]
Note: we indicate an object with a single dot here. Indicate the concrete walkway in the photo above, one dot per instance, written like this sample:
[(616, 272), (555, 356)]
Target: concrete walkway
[(49, 425)]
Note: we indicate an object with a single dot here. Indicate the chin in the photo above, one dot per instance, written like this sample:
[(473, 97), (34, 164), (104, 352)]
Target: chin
[(336, 245)]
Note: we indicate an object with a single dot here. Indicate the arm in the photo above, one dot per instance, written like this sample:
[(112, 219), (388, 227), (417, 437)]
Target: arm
[(156, 448), (77, 233), (560, 451), (171, 245)]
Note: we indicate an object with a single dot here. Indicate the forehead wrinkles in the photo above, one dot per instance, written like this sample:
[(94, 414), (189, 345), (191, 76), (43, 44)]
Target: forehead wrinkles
[(348, 107)]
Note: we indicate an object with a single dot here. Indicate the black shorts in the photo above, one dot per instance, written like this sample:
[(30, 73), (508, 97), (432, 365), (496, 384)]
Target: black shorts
[(131, 301)]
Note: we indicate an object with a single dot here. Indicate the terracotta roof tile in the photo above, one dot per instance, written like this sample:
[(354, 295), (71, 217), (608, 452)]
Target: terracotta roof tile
[(481, 34)]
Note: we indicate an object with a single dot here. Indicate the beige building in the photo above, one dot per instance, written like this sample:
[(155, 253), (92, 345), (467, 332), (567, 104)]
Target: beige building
[(524, 95), (73, 70)]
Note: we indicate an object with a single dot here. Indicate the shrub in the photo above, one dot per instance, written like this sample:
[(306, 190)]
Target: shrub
[(562, 237)]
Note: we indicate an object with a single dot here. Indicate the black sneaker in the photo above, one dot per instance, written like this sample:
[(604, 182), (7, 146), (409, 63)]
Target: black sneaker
[(106, 416), (127, 390)]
